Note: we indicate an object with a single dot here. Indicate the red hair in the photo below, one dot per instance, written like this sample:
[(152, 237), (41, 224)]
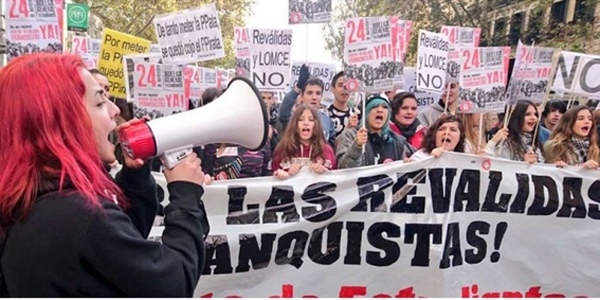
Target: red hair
[(47, 137)]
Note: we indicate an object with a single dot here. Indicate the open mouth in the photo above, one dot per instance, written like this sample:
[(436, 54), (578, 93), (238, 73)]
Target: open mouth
[(305, 130), (446, 140), (379, 118), (585, 128), (531, 124)]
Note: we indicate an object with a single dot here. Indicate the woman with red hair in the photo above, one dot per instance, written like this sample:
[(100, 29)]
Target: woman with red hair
[(66, 228)]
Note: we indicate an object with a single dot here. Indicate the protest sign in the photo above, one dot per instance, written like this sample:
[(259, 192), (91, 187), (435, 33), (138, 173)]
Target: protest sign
[(88, 49), (369, 64), (432, 61), (458, 226), (459, 37), (401, 30), (196, 81), (424, 99), (270, 64), (531, 73), (323, 71), (309, 11), (158, 90), (242, 52), (129, 63), (110, 62), (190, 36), (579, 73), (483, 75), (31, 27)]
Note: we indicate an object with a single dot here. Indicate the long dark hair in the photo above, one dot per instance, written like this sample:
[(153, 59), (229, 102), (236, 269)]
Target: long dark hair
[(515, 131), (430, 136), (289, 145)]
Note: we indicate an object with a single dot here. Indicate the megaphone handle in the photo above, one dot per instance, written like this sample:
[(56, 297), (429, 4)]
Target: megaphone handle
[(172, 157)]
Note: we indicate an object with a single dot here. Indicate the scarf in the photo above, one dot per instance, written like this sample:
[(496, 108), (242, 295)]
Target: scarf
[(526, 141), (581, 147), (409, 131)]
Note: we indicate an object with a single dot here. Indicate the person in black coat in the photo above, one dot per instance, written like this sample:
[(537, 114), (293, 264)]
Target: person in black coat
[(67, 229)]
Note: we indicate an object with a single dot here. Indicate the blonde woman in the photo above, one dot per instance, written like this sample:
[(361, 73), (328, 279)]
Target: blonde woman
[(574, 140), (473, 142)]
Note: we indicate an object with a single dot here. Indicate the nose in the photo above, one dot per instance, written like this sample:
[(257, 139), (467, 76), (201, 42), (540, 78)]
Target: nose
[(113, 109)]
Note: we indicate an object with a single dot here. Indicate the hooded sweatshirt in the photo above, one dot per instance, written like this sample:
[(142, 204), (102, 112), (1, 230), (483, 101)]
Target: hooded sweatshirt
[(429, 115)]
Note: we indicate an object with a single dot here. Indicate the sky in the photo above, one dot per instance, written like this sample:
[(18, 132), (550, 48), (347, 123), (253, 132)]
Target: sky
[(273, 14)]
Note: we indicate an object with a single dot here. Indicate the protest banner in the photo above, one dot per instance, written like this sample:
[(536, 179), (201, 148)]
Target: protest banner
[(114, 45), (190, 36), (458, 226), (242, 52), (424, 99), (158, 90), (309, 11), (531, 73), (432, 61), (459, 37), (323, 71), (31, 27), (579, 73), (483, 76), (369, 64), (271, 63)]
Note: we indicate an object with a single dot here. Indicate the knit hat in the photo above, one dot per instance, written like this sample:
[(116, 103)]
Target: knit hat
[(375, 101)]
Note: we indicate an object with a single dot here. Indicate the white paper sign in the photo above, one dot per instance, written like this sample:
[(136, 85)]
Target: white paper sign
[(190, 36), (432, 60)]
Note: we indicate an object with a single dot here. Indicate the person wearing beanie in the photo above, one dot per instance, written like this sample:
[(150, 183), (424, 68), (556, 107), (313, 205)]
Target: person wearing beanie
[(381, 145)]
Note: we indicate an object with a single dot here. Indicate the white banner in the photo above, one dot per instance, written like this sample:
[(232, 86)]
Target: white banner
[(323, 71), (190, 36), (578, 72), (31, 27), (459, 226), (270, 64), (309, 11), (432, 61)]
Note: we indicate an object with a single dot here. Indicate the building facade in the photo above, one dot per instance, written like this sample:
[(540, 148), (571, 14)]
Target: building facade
[(511, 20)]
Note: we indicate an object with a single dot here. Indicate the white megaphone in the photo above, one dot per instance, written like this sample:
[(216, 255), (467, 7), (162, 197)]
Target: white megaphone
[(238, 117)]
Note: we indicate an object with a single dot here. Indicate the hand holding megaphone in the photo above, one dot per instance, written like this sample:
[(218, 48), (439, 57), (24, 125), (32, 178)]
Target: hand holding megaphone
[(237, 117)]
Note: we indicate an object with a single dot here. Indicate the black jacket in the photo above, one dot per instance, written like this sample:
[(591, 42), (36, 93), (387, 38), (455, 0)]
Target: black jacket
[(64, 248)]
